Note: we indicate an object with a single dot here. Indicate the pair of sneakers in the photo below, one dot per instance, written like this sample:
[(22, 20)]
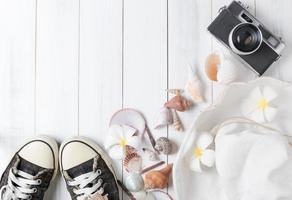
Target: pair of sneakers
[(85, 167)]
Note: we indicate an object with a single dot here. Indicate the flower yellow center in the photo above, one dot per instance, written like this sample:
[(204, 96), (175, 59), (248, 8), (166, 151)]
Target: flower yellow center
[(263, 104), (123, 142), (198, 152)]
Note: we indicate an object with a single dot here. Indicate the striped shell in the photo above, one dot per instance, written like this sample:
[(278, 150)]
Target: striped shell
[(133, 162)]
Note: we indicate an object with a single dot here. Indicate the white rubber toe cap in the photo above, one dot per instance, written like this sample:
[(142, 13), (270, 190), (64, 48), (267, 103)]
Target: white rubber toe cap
[(74, 153), (41, 151)]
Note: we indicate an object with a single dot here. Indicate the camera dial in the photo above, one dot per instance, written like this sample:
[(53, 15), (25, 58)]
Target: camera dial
[(245, 38)]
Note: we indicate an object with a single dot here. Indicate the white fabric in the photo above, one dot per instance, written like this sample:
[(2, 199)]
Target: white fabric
[(253, 162), (83, 180), (20, 186)]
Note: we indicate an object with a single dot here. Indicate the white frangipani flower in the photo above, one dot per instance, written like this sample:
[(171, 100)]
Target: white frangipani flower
[(119, 137), (202, 155), (258, 105)]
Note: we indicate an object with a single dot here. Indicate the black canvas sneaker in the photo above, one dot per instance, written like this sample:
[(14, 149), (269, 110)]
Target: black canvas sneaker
[(87, 171), (31, 170)]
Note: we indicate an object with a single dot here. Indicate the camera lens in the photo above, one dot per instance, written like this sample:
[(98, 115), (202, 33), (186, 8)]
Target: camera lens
[(245, 38)]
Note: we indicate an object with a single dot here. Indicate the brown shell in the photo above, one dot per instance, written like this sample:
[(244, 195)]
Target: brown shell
[(178, 103), (211, 68), (133, 162), (158, 179)]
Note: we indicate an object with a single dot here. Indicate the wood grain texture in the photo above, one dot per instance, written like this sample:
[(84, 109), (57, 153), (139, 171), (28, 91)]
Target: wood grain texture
[(189, 45), (57, 74), (145, 59), (67, 65), (17, 75), (100, 73), (276, 16)]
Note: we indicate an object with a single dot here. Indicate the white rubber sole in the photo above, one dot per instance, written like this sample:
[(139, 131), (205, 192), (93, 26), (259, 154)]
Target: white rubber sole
[(91, 143), (54, 146)]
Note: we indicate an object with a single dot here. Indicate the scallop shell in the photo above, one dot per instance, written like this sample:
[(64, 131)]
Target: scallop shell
[(134, 182), (211, 68), (227, 72), (158, 179), (178, 103), (164, 145), (194, 89), (133, 162), (177, 122), (164, 118)]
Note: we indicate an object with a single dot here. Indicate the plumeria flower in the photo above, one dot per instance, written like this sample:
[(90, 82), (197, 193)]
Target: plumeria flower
[(258, 105), (119, 138), (202, 155)]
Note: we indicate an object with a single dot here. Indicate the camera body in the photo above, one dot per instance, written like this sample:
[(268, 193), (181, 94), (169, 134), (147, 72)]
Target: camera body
[(245, 36)]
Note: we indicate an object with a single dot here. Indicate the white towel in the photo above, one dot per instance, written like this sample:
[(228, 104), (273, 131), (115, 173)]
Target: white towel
[(253, 162)]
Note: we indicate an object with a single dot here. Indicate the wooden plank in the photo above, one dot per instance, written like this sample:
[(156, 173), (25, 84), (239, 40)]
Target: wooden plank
[(245, 74), (189, 45), (145, 58), (100, 80), (276, 16), (57, 74), (17, 76)]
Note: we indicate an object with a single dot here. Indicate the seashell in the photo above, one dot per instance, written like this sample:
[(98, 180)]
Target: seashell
[(133, 162), (177, 122), (158, 179), (178, 103), (129, 117), (134, 182), (163, 145), (227, 72), (164, 118), (194, 89), (220, 69), (211, 68), (175, 91), (143, 195), (151, 154)]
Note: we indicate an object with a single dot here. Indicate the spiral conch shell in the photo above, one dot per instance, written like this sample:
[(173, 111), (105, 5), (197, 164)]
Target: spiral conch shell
[(177, 122), (164, 118), (194, 89), (178, 103), (158, 179), (220, 69)]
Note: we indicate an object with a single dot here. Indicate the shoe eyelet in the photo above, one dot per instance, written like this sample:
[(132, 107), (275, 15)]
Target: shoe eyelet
[(99, 171), (39, 181), (29, 197), (35, 190)]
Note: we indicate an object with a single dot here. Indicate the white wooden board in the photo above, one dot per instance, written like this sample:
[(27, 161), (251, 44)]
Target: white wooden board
[(67, 65)]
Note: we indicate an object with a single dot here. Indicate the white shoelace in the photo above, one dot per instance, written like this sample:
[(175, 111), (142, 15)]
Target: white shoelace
[(20, 186), (81, 183)]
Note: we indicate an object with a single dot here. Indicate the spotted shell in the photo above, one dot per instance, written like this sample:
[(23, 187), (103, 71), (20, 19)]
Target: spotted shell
[(163, 145)]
